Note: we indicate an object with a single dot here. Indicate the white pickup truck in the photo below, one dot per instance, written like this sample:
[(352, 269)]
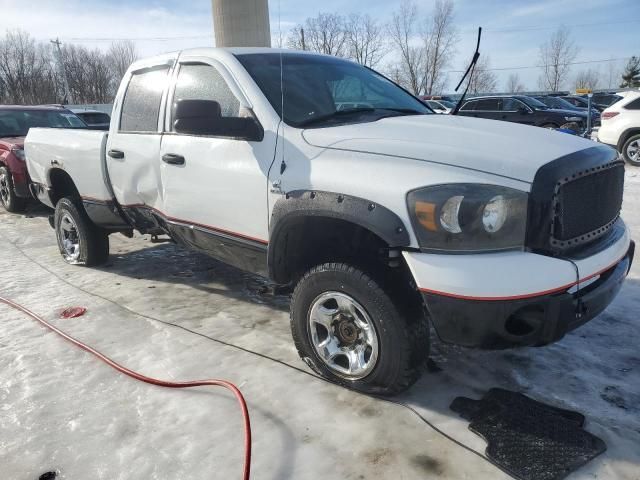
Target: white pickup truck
[(325, 176)]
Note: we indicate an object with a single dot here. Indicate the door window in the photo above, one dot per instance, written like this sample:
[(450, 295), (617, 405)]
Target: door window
[(141, 104), (511, 105), (197, 81), (487, 105)]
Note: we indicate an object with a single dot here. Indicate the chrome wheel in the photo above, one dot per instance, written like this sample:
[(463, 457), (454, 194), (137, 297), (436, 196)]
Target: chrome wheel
[(343, 335), (69, 238), (5, 188), (633, 151)]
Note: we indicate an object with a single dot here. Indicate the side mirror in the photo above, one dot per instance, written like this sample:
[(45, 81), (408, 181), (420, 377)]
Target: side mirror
[(204, 117)]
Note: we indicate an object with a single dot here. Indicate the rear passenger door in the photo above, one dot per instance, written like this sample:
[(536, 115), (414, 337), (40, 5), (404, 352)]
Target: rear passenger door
[(133, 146)]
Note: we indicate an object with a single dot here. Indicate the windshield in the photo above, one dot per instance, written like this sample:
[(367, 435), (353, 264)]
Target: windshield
[(533, 103), (555, 102), (16, 123), (320, 90)]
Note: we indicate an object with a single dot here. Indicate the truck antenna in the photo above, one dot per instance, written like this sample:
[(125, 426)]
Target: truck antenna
[(470, 70)]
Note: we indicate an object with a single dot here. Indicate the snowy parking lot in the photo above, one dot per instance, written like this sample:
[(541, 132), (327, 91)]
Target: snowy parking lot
[(62, 410)]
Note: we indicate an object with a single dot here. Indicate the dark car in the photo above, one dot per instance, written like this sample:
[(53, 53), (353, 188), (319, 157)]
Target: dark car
[(94, 119), (562, 104), (598, 102), (15, 122), (522, 109), (604, 100)]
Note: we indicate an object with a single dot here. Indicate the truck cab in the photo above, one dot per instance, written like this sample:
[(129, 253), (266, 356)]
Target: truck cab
[(380, 216)]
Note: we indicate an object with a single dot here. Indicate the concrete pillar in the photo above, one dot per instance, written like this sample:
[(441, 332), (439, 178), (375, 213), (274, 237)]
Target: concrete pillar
[(241, 23)]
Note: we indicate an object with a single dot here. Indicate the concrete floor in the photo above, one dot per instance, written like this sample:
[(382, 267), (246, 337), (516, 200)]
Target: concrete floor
[(62, 410)]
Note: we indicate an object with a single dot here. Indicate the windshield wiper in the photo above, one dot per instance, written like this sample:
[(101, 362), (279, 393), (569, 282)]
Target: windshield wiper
[(341, 113)]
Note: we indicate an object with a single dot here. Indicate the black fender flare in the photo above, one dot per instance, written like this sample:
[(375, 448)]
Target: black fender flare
[(320, 204)]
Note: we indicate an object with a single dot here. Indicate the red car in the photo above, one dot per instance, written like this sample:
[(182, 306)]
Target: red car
[(15, 122)]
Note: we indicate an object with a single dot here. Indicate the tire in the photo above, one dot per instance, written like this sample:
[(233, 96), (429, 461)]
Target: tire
[(397, 356), (80, 241), (549, 125), (8, 198), (631, 150)]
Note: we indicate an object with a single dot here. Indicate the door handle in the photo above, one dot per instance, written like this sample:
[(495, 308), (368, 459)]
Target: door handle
[(116, 154), (173, 159)]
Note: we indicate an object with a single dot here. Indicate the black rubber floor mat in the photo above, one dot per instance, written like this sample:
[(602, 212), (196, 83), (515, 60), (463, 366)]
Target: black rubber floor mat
[(528, 439)]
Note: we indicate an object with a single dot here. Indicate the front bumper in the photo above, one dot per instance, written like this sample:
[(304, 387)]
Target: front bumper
[(483, 301), (531, 321)]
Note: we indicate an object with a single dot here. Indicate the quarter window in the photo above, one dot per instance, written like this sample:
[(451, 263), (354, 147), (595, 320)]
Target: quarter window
[(141, 104), (198, 81), (635, 105)]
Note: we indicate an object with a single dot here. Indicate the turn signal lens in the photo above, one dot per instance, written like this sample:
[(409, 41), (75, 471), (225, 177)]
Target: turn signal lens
[(426, 215)]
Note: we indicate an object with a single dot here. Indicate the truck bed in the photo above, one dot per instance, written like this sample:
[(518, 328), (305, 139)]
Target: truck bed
[(80, 153)]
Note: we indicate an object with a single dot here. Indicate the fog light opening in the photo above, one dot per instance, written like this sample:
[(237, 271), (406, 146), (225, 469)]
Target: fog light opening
[(524, 322)]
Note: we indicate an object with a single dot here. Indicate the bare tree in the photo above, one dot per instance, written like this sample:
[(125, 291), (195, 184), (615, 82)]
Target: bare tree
[(26, 75), (588, 79), (440, 38), (612, 74), (120, 56), (556, 55), (324, 34), (402, 31), (483, 79), (364, 39), (513, 84)]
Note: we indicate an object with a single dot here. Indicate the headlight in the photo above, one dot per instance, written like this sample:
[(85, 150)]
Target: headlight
[(19, 152), (467, 217), (573, 119)]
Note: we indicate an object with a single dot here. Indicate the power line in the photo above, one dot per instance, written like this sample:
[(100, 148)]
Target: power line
[(543, 66), (527, 28)]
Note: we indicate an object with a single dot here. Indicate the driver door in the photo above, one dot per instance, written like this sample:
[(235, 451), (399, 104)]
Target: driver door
[(215, 189)]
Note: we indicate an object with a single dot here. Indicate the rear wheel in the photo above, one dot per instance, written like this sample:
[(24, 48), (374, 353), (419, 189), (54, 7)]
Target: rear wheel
[(631, 150), (10, 201), (353, 333), (80, 241)]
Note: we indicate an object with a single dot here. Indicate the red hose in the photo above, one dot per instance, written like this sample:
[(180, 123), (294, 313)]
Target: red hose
[(154, 381)]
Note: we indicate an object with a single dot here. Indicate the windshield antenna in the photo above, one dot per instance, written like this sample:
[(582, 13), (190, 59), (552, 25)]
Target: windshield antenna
[(470, 70)]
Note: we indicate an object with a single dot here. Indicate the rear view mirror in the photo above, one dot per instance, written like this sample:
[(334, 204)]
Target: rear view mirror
[(204, 117)]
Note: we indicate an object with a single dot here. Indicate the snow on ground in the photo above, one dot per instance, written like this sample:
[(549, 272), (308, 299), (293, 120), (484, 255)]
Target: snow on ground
[(61, 409)]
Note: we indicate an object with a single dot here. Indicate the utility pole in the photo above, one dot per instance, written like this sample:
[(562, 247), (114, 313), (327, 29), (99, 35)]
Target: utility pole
[(62, 72)]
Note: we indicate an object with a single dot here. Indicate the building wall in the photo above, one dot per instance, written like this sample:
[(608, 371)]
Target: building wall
[(241, 23)]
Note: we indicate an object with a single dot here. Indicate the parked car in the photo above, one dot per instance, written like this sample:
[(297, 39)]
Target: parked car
[(560, 103), (440, 106), (621, 127), (15, 122), (383, 220), (94, 119), (603, 100), (521, 109)]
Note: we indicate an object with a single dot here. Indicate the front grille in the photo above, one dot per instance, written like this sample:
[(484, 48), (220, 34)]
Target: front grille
[(574, 201), (586, 205)]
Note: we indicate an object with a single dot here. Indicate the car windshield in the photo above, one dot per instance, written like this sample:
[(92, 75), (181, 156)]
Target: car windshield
[(555, 102), (320, 90), (533, 103), (16, 123)]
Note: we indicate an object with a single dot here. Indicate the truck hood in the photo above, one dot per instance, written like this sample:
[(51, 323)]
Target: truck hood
[(501, 148)]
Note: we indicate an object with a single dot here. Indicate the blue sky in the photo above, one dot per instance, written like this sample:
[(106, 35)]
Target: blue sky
[(529, 23)]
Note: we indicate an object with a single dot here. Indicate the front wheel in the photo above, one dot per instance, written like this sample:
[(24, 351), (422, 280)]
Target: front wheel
[(631, 150), (80, 241), (8, 198), (353, 333)]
